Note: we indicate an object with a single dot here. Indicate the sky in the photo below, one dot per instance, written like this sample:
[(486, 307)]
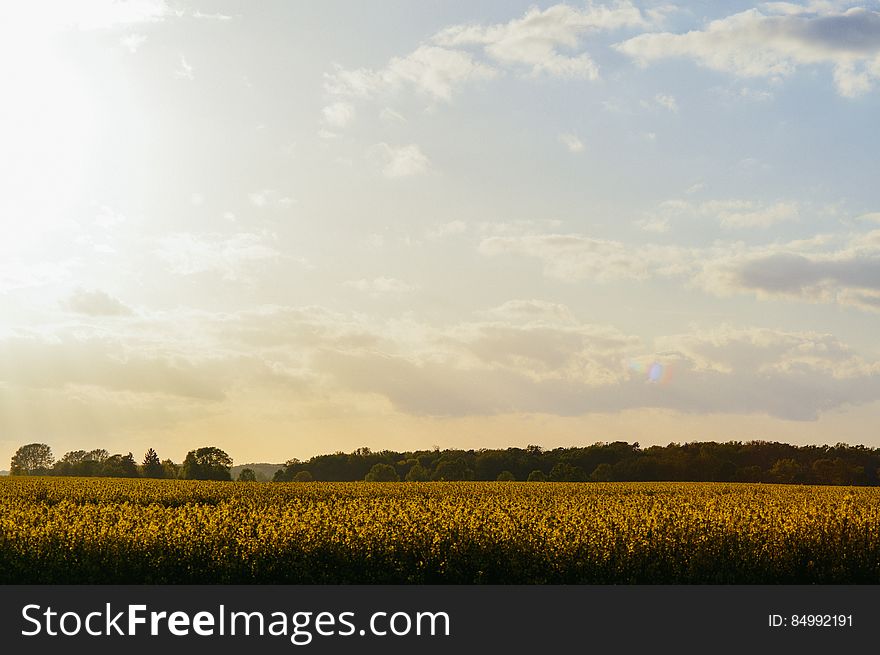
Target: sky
[(287, 229)]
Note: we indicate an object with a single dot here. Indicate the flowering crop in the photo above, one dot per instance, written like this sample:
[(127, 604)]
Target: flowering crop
[(87, 530)]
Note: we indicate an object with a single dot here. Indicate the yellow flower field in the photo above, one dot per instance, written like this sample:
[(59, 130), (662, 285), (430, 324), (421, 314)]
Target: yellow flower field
[(88, 530)]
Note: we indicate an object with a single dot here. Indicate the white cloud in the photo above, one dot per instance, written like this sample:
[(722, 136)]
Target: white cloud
[(818, 271), (443, 230), (184, 71), (229, 255), (534, 357), (400, 161), (655, 223), (133, 42), (572, 142), (666, 101), (730, 213), (430, 70), (578, 257), (96, 303), (270, 198), (534, 42), (220, 17), (380, 286), (757, 44), (872, 217), (48, 16), (524, 356), (66, 361), (533, 311), (388, 115), (338, 114)]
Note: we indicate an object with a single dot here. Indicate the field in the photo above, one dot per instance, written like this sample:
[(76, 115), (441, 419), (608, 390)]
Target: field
[(77, 530)]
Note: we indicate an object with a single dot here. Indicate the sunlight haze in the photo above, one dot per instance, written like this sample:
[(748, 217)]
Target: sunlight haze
[(288, 229)]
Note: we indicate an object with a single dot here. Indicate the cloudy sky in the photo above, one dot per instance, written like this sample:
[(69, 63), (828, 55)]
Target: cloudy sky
[(295, 228)]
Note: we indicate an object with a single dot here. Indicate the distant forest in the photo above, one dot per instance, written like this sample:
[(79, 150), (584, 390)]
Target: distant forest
[(735, 461), (753, 461)]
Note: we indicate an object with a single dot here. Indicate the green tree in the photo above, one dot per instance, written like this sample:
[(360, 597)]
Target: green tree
[(564, 472), (505, 476), (537, 476), (119, 466), (152, 466), (418, 473), (171, 470), (32, 459), (303, 476), (452, 469), (602, 473), (208, 463), (247, 475), (382, 473), (787, 471)]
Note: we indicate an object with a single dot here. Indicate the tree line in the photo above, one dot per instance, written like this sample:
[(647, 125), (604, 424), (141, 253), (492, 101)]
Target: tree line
[(734, 461), (208, 463)]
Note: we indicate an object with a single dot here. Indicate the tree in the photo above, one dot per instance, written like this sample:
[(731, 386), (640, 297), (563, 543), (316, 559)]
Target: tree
[(97, 455), (119, 466), (171, 470), (382, 473), (247, 475), (452, 469), (787, 471), (152, 466), (71, 463), (208, 463), (564, 472), (303, 476), (537, 476), (602, 473), (32, 459), (505, 476), (418, 473)]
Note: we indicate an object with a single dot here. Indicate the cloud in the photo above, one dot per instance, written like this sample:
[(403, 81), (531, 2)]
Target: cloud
[(184, 70), (534, 42), (380, 286), (538, 43), (87, 15), (731, 214), (270, 198), (443, 230), (133, 42), (524, 356), (430, 70), (66, 361), (228, 255), (338, 115), (824, 269), (388, 115), (400, 161), (569, 368), (666, 101), (96, 303), (579, 257), (809, 271), (531, 311), (871, 217), (49, 16), (571, 142), (757, 43)]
